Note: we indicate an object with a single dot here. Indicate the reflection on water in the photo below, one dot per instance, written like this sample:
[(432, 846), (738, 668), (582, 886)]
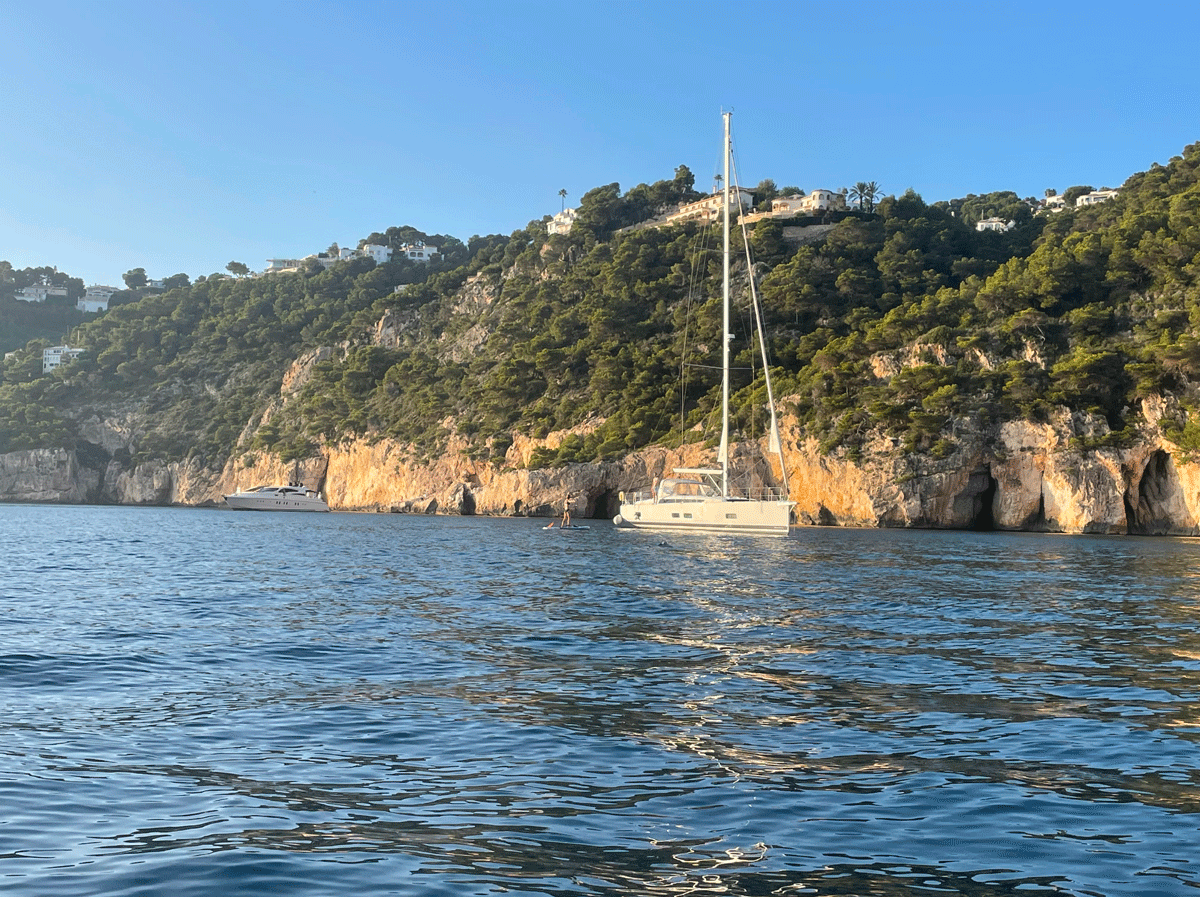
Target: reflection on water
[(209, 702)]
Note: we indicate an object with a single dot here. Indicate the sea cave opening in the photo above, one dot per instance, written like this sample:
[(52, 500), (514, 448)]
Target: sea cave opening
[(1159, 495), (976, 503), (985, 512), (605, 505)]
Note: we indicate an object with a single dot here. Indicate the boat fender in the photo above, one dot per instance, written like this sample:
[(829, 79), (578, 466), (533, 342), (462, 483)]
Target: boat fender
[(619, 520), (621, 496)]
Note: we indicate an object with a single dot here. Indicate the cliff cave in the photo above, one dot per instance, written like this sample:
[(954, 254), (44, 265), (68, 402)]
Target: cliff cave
[(974, 505), (1156, 508), (605, 505)]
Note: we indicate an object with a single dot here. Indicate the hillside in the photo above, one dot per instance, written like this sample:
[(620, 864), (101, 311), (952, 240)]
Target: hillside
[(904, 332)]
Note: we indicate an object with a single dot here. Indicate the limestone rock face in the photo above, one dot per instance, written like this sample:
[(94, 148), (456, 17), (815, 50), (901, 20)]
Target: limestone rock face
[(47, 475), (1019, 476), (110, 434), (146, 484), (1028, 476)]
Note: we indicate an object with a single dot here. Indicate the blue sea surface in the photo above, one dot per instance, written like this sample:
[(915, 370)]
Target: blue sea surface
[(211, 702)]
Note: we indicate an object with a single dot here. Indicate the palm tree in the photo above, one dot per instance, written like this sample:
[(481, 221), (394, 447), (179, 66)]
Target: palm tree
[(563, 194), (873, 193), (864, 193)]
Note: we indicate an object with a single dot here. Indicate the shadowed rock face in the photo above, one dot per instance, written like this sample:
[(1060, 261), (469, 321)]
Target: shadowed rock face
[(1020, 476)]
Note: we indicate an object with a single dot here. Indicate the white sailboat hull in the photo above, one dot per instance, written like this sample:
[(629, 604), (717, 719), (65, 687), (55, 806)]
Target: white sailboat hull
[(709, 515)]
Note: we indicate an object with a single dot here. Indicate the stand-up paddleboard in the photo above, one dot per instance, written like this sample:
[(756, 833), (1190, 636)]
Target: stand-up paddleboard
[(572, 526)]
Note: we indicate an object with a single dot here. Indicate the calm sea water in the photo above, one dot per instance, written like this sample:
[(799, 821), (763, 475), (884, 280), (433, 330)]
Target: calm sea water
[(211, 702)]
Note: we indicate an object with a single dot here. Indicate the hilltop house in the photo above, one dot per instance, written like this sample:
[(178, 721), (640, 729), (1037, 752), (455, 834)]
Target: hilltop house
[(379, 254), (1058, 203), (799, 204), (709, 208), (821, 201), (787, 205), (417, 252), (997, 224), (283, 266), (39, 292), (95, 298), (1090, 199), (562, 222)]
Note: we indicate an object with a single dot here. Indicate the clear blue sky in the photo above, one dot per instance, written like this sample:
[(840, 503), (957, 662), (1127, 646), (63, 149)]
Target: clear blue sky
[(178, 137)]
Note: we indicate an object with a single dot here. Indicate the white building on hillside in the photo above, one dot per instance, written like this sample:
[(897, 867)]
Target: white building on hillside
[(801, 204), (823, 201), (562, 222), (417, 252), (1090, 199), (381, 254), (282, 266), (709, 208), (39, 292), (998, 224), (56, 356), (788, 205), (95, 298)]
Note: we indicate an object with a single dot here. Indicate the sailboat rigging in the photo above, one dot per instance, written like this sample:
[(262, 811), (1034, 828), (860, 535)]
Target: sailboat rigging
[(700, 499)]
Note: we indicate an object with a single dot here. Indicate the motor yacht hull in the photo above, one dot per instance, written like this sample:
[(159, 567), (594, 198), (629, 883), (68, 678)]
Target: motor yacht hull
[(276, 498)]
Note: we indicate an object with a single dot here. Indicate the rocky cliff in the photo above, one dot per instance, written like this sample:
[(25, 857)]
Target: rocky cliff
[(1032, 477), (1023, 476)]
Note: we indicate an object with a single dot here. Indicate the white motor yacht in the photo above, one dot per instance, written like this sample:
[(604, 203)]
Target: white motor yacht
[(277, 498)]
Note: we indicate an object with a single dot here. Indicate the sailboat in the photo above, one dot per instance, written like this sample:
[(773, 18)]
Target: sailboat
[(699, 499)]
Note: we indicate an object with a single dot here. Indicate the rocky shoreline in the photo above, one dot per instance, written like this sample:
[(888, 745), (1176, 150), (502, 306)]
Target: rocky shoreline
[(1021, 476)]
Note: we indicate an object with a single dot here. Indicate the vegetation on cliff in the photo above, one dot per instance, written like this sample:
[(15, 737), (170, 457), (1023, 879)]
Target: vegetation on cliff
[(899, 321)]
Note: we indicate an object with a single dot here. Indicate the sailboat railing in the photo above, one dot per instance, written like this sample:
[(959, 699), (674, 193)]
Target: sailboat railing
[(760, 493)]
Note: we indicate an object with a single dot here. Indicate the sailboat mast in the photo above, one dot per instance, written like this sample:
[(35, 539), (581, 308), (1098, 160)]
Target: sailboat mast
[(725, 336)]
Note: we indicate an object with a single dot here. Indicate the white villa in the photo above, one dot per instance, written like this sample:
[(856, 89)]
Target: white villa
[(55, 356), (282, 266), (381, 254), (709, 208), (788, 205), (95, 298), (418, 252), (1090, 199), (1058, 203), (998, 224), (822, 201), (562, 222), (802, 204), (39, 292)]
